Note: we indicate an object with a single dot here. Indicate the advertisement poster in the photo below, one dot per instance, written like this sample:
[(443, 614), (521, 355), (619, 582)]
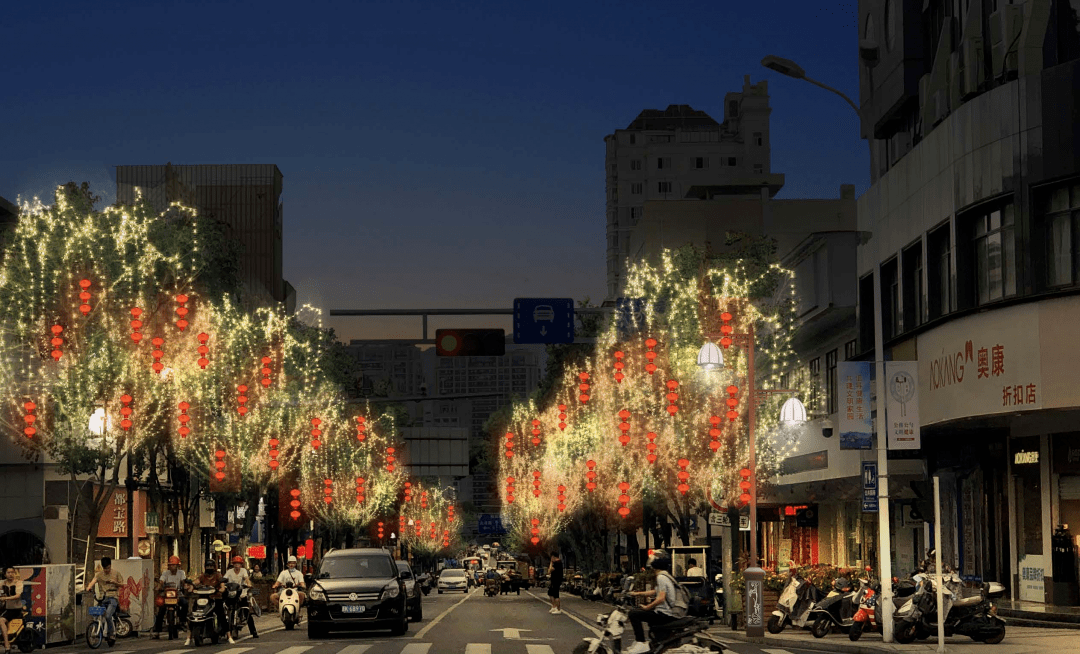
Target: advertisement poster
[(137, 593), (856, 431), (902, 404), (49, 594)]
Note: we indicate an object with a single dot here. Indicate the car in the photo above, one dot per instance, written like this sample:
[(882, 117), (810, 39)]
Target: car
[(413, 596), (357, 589), (453, 579), (543, 312)]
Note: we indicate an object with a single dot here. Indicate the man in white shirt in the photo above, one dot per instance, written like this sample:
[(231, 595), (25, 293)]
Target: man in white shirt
[(171, 577), (694, 570), (238, 574), (290, 573)]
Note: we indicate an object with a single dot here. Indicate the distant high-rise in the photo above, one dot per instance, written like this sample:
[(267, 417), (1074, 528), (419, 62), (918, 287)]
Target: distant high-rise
[(244, 197), (681, 153)]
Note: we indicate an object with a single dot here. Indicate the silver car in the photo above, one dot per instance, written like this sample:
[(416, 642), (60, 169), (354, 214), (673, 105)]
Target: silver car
[(453, 579)]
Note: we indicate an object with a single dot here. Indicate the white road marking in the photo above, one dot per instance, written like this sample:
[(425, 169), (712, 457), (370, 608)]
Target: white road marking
[(236, 650), (775, 651), (171, 651), (416, 648), (568, 614), (539, 649), (298, 649), (478, 648), (428, 626), (355, 649)]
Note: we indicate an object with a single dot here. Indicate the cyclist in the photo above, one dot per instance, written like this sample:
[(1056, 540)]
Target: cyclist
[(110, 581)]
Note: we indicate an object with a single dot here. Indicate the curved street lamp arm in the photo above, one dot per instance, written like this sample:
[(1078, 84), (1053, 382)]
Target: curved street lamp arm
[(829, 88)]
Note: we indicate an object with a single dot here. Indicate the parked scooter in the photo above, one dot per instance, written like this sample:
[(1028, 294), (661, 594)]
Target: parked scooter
[(203, 622), (866, 618), (975, 617), (836, 610), (289, 603), (795, 603), (20, 632)]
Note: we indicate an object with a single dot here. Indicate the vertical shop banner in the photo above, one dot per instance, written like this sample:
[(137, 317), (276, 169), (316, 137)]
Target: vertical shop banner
[(856, 432), (902, 404)]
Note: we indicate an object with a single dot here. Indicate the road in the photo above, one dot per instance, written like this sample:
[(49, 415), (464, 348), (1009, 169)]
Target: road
[(452, 624)]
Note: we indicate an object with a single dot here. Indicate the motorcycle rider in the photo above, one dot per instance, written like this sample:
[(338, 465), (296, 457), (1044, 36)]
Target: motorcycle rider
[(171, 577), (290, 573), (238, 574), (212, 578), (660, 610), (110, 581)]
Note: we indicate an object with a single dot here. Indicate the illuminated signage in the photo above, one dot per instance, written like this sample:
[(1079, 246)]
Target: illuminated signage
[(1021, 458)]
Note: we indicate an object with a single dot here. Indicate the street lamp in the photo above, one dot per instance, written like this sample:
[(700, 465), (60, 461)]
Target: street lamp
[(869, 53), (710, 357), (99, 423)]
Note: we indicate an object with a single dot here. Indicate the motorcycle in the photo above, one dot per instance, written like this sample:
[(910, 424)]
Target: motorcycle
[(685, 635), (975, 617), (289, 604), (866, 618), (169, 598), (491, 587), (836, 610), (238, 607), (425, 583), (203, 621), (20, 632), (793, 607)]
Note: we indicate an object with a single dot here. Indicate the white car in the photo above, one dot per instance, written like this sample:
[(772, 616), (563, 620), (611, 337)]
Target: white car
[(453, 579)]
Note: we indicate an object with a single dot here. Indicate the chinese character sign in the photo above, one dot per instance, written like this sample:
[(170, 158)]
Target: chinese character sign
[(853, 384), (902, 404)]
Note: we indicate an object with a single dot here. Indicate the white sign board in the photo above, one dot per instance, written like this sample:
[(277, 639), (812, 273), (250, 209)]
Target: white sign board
[(1032, 569), (902, 404)]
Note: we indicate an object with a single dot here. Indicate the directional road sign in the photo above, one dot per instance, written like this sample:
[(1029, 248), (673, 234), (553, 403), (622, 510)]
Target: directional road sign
[(543, 320), (870, 487)]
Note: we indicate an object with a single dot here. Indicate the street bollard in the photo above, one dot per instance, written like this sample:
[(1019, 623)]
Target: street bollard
[(755, 609)]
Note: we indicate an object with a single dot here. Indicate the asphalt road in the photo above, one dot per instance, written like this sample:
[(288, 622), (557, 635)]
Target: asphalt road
[(453, 624)]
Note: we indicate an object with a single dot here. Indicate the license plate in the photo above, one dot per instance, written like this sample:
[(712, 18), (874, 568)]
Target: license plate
[(353, 608)]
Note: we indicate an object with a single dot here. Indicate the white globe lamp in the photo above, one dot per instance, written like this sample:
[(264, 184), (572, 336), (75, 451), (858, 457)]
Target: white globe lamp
[(710, 357), (793, 411)]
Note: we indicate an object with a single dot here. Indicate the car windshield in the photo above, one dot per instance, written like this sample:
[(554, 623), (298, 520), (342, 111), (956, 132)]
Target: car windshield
[(403, 567), (356, 567), (453, 573)]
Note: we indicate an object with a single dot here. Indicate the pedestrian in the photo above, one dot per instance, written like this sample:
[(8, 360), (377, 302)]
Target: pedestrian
[(555, 578), (256, 572)]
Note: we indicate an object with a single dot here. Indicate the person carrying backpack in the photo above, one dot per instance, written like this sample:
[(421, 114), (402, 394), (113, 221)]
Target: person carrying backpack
[(669, 603)]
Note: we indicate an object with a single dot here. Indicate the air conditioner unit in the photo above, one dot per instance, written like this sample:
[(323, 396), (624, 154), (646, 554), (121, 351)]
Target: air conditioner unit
[(1005, 25)]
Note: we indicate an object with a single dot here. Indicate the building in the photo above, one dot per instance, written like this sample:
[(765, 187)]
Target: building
[(972, 218), (682, 153), (246, 198)]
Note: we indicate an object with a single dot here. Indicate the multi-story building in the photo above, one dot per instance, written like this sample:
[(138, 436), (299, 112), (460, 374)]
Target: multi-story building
[(246, 198), (682, 153), (973, 217)]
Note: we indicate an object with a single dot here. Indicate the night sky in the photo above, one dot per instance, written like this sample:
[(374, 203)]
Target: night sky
[(436, 154)]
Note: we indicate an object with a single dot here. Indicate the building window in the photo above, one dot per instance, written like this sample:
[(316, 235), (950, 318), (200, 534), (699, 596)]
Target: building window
[(890, 296), (758, 139), (701, 162), (663, 187), (912, 262), (830, 381), (633, 139), (663, 163), (939, 272), (635, 188), (732, 161), (1061, 219), (850, 350), (635, 164), (995, 255), (759, 168), (635, 215)]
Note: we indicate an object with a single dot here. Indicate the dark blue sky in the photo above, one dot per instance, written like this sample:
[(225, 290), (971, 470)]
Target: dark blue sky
[(436, 154)]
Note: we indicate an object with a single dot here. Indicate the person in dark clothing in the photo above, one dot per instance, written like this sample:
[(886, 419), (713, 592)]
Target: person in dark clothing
[(555, 578)]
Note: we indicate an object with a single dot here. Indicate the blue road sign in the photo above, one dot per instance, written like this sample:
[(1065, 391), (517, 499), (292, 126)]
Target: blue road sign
[(490, 525), (870, 487), (543, 320)]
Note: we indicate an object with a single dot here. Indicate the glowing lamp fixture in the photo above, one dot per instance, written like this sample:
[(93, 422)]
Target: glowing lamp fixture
[(709, 357), (99, 423), (793, 411)]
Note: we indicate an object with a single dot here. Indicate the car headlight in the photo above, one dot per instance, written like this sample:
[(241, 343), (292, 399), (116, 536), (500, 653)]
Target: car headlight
[(391, 591), (317, 594)]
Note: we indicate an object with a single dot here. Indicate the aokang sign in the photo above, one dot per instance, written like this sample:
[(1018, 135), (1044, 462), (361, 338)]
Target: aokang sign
[(983, 364)]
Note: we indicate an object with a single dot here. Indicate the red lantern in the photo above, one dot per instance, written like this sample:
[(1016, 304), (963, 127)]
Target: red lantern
[(360, 490), (84, 296), (651, 447), (242, 399), (536, 483), (126, 411), (590, 485), (390, 459), (744, 486), (315, 433), (184, 418), (583, 387), (535, 531), (380, 530), (266, 372), (360, 427), (450, 514), (509, 445), (672, 397), (714, 433), (29, 419), (423, 499), (157, 342), (294, 503), (274, 453), (220, 464), (510, 490), (328, 490), (182, 311), (732, 402), (726, 330), (535, 432), (624, 427), (408, 491), (136, 325), (684, 476), (619, 376), (624, 499), (562, 417), (56, 342), (203, 350), (650, 356)]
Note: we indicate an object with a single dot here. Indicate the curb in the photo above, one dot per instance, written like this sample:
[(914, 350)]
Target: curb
[(821, 645)]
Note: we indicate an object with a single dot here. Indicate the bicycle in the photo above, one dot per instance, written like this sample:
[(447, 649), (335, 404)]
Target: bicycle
[(96, 630)]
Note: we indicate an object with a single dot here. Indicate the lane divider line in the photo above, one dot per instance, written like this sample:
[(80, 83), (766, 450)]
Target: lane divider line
[(427, 628)]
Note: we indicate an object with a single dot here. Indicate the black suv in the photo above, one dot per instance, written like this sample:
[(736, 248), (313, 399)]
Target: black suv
[(357, 589)]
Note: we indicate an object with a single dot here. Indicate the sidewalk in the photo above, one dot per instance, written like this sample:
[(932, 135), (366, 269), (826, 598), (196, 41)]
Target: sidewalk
[(1018, 640)]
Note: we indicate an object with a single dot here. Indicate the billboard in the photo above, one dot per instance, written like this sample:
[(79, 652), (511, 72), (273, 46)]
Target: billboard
[(856, 430)]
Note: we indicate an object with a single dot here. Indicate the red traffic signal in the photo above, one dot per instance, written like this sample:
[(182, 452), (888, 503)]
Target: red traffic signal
[(470, 342)]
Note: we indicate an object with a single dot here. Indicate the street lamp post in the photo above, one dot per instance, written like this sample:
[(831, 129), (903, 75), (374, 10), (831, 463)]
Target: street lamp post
[(793, 70)]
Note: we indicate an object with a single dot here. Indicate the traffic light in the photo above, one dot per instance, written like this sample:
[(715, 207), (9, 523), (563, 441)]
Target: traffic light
[(470, 342)]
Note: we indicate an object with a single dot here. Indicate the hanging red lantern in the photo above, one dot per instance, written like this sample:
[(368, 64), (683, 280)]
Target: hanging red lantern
[(380, 530), (274, 453), (583, 387), (744, 486), (136, 325), (562, 498), (390, 459), (184, 418), (315, 433), (182, 311), (562, 417), (408, 491), (732, 402), (684, 476), (294, 504), (29, 419), (624, 427), (624, 499), (126, 411), (651, 447), (619, 376), (510, 490), (726, 330), (157, 342), (450, 513), (266, 372), (203, 349), (714, 433), (328, 490), (672, 397), (360, 427), (56, 342), (242, 399), (536, 483), (650, 355), (590, 475), (360, 490), (84, 296), (535, 531), (535, 432), (423, 500), (220, 464), (509, 445)]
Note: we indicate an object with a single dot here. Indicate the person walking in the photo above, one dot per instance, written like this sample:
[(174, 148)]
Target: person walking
[(555, 579), (110, 581)]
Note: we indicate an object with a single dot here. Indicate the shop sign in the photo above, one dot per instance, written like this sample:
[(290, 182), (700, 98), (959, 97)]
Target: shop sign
[(1025, 458), (721, 519), (256, 551), (1032, 570), (902, 404), (153, 526), (114, 519), (856, 432), (983, 364), (869, 487)]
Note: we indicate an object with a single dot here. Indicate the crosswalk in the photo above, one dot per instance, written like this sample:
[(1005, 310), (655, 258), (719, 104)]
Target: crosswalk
[(390, 648)]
